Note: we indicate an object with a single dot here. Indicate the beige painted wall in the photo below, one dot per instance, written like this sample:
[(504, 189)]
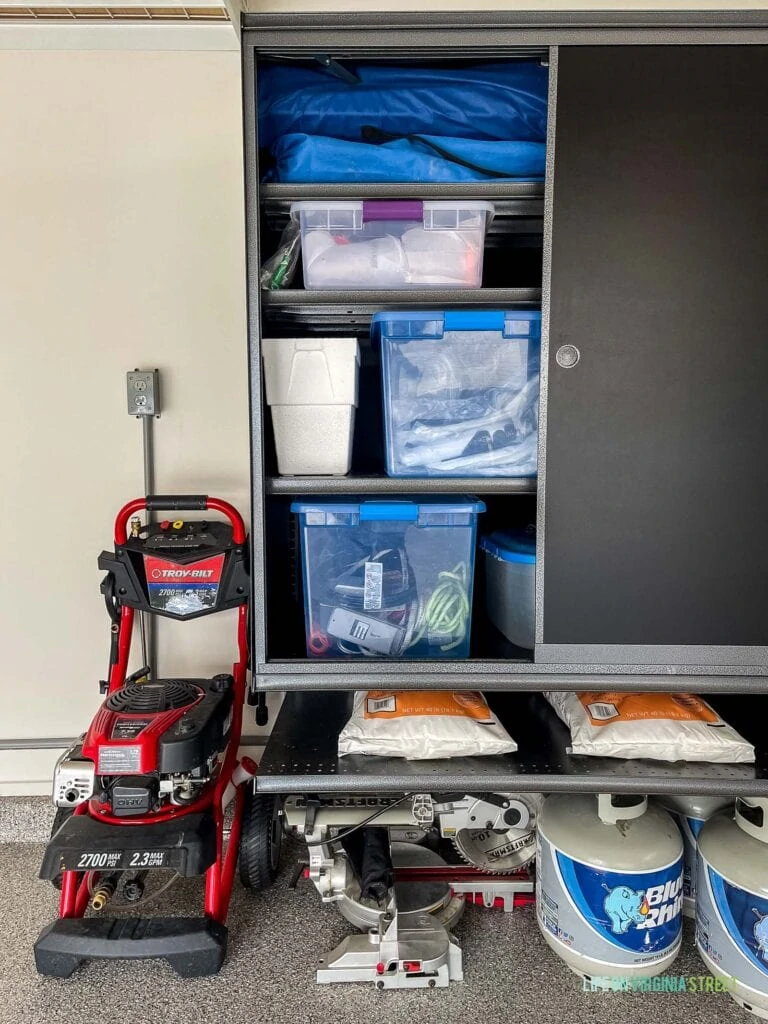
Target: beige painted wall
[(121, 245)]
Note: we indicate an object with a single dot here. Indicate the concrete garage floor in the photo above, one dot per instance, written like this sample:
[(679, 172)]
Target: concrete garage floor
[(275, 938)]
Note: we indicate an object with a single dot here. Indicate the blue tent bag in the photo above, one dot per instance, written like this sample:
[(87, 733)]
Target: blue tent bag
[(307, 158), (489, 102)]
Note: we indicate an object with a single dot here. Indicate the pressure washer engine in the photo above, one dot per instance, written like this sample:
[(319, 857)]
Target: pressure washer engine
[(367, 854), (146, 787)]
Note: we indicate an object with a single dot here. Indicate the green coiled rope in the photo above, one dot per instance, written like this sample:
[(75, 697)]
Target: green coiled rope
[(446, 612)]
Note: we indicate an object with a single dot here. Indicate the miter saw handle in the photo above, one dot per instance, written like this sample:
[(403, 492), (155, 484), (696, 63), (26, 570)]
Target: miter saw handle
[(369, 854)]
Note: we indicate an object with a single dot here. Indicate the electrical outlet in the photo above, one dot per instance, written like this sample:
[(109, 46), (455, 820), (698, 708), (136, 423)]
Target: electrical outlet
[(143, 392)]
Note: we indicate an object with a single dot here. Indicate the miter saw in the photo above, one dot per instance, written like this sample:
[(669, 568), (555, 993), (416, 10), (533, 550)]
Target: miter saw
[(372, 856)]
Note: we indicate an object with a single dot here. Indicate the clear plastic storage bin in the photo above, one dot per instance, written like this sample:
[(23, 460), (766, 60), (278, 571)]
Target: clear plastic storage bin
[(510, 584), (461, 391), (392, 243), (388, 579)]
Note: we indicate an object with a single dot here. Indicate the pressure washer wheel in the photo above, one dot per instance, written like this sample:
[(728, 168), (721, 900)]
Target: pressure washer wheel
[(260, 840)]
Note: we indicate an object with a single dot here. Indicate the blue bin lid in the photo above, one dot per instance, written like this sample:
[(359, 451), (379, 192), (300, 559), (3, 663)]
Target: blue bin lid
[(396, 511), (405, 326), (511, 546)]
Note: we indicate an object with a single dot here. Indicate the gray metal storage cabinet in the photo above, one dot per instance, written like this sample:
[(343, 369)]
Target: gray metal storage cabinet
[(652, 493)]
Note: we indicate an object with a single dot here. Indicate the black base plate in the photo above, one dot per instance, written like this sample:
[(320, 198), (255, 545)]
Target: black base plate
[(193, 946)]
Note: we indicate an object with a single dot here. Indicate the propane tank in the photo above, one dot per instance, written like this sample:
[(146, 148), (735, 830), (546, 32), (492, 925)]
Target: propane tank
[(690, 813), (609, 884), (732, 901)]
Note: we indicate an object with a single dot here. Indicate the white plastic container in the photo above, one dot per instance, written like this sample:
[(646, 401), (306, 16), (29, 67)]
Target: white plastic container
[(311, 386), (510, 584), (393, 243)]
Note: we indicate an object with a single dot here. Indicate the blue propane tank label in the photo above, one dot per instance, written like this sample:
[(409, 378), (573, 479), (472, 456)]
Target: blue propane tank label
[(732, 928), (616, 918)]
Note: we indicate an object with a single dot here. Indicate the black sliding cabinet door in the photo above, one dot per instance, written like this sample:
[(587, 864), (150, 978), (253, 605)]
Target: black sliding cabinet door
[(656, 475)]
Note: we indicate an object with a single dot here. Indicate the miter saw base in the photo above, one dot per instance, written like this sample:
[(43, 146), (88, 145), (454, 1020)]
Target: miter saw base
[(421, 955)]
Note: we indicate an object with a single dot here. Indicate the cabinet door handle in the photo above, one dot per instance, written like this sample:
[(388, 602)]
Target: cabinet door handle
[(567, 356)]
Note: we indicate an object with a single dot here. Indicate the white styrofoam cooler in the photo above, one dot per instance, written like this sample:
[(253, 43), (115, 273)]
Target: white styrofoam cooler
[(311, 387)]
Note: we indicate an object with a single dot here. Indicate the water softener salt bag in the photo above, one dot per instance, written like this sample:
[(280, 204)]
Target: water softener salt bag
[(423, 724), (661, 726)]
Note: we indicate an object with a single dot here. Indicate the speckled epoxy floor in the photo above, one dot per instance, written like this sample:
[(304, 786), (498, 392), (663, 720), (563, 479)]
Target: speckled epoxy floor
[(275, 938)]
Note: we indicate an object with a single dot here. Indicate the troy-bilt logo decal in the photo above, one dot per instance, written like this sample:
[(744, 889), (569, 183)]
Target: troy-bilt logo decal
[(183, 589), (159, 570), (181, 574)]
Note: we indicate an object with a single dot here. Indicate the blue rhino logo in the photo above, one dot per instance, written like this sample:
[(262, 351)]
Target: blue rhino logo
[(625, 906), (760, 933)]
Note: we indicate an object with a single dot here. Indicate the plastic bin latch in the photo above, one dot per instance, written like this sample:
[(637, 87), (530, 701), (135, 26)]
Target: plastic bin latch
[(516, 326), (393, 209), (393, 511), (475, 320)]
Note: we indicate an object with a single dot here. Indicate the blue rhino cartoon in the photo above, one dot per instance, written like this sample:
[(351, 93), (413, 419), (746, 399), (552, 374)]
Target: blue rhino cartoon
[(625, 906), (760, 933)]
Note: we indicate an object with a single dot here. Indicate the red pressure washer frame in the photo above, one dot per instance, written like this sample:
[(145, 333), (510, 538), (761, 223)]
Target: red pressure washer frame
[(220, 875)]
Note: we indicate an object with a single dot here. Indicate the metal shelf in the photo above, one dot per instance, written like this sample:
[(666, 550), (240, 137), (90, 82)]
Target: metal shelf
[(494, 674), (296, 485), (301, 756), (347, 310), (274, 193), (407, 298)]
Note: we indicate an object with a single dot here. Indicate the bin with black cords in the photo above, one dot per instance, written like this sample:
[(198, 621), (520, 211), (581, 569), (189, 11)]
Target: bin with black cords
[(388, 579)]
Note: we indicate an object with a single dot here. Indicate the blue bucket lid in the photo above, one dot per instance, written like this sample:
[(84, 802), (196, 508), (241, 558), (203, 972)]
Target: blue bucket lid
[(511, 546)]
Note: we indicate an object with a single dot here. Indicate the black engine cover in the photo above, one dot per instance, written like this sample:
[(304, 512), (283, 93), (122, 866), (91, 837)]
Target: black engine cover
[(201, 732)]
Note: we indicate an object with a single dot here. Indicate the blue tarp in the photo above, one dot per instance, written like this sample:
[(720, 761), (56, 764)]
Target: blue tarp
[(492, 115), (310, 158)]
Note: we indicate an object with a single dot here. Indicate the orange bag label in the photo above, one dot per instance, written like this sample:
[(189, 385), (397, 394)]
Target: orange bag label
[(607, 708), (437, 703)]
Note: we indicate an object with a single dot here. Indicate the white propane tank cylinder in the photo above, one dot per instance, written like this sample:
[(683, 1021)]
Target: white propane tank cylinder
[(732, 901), (690, 813), (609, 884)]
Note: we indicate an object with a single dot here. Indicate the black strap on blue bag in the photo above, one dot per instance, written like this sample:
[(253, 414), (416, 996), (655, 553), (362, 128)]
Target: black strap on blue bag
[(376, 136)]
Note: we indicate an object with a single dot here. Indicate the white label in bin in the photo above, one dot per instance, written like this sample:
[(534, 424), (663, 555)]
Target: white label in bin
[(520, 327), (374, 582)]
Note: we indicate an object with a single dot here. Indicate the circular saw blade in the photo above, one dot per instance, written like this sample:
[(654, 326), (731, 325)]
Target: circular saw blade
[(498, 851)]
